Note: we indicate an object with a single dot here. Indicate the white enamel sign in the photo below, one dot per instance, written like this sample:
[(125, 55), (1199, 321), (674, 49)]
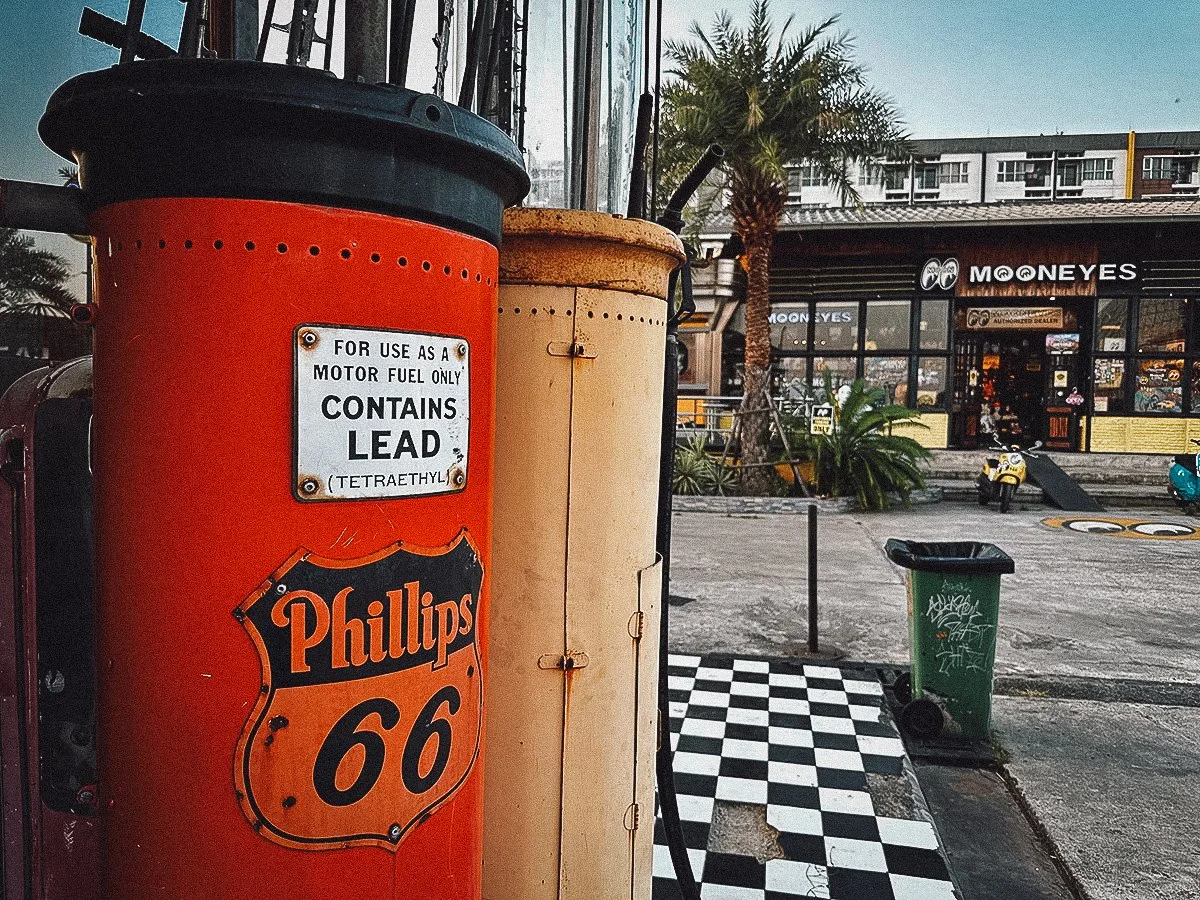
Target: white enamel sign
[(380, 414)]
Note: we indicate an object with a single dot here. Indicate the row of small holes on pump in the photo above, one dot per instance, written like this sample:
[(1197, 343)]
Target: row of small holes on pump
[(314, 250), (591, 315)]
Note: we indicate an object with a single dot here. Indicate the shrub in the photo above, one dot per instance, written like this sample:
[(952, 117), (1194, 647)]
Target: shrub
[(698, 473), (861, 457)]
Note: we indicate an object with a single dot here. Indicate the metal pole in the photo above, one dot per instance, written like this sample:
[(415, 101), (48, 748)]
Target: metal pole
[(366, 41), (812, 578)]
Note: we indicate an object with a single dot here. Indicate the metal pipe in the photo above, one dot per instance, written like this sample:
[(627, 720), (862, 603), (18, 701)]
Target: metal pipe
[(133, 31), (366, 41), (493, 58), (812, 578), (42, 207), (523, 66), (466, 92), (403, 13), (637, 178), (268, 24), (190, 35)]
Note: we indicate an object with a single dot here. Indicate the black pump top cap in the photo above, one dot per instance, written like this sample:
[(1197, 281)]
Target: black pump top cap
[(951, 557), (261, 131)]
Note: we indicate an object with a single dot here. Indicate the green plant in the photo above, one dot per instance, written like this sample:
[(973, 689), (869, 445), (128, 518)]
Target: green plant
[(698, 473), (861, 457), (770, 101)]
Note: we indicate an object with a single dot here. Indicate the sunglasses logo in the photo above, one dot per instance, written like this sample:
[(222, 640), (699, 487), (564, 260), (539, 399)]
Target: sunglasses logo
[(939, 273)]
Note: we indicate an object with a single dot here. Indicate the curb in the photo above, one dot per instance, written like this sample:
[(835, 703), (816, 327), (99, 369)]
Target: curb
[(732, 506)]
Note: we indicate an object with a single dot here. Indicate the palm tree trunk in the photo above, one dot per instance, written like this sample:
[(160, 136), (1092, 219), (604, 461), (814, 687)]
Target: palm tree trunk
[(756, 203), (757, 478)]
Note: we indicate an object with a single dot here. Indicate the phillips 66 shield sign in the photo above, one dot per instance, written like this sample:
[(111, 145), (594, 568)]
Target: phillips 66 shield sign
[(371, 703)]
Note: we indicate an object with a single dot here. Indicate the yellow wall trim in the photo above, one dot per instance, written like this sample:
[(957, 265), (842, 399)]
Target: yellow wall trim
[(1141, 434), (936, 434)]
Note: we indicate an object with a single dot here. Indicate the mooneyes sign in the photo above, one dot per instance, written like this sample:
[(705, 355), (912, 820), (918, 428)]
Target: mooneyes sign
[(1022, 277)]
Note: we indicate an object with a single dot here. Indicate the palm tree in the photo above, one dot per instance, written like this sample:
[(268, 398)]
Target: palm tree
[(31, 280), (770, 101)]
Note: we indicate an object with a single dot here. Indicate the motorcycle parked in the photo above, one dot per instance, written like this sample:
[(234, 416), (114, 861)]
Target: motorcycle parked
[(1003, 473), (1185, 482)]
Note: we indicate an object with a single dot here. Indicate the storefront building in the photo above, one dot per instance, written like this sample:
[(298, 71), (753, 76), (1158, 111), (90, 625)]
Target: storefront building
[(1073, 323)]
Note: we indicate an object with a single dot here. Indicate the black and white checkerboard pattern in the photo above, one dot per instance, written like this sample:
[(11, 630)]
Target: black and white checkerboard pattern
[(799, 740)]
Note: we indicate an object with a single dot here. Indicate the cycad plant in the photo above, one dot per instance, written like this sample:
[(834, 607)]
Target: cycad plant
[(769, 101), (862, 457)]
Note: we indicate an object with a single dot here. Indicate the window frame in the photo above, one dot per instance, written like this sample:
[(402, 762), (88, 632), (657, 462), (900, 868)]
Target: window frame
[(1133, 358), (859, 354)]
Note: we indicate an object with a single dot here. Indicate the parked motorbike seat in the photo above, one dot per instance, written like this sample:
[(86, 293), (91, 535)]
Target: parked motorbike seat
[(1187, 460)]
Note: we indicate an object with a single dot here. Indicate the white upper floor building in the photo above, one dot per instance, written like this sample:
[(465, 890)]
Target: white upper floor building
[(1122, 165)]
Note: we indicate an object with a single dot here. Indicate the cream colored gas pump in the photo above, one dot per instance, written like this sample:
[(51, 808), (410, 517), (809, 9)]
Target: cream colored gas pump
[(572, 722)]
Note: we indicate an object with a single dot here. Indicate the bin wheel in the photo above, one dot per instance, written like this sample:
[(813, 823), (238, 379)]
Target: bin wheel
[(922, 719), (902, 687), (1007, 491)]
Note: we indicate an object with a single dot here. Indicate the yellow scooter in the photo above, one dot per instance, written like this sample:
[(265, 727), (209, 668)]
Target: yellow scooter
[(1003, 473)]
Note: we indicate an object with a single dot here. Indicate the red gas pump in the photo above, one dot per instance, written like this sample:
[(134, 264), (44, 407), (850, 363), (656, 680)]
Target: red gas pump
[(50, 827), (294, 364)]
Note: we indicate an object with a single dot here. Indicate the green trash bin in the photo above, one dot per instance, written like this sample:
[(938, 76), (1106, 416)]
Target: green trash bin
[(953, 608)]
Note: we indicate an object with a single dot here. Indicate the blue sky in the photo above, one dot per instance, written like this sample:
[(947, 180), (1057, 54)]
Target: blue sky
[(954, 67)]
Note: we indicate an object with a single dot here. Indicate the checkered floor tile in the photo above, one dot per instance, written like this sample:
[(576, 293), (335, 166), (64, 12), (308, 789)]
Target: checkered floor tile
[(799, 740)]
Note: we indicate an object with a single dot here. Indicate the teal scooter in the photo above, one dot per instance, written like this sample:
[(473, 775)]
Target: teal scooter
[(1185, 481)]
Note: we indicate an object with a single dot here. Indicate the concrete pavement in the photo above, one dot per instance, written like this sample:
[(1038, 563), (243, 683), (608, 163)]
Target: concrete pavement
[(1114, 783), (1087, 605)]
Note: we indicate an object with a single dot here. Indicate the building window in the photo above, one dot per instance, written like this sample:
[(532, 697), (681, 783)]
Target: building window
[(835, 327), (1159, 386), (890, 375), (1159, 372), (935, 325), (1112, 314), (889, 324), (839, 369), (1013, 170), (895, 178), (881, 350), (1109, 385), (1098, 169), (927, 178), (869, 173), (931, 381), (1161, 326), (1167, 168), (793, 184), (812, 176), (789, 326), (953, 173)]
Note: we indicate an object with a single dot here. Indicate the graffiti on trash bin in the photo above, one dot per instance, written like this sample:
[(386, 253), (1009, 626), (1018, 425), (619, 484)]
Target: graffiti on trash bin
[(961, 632)]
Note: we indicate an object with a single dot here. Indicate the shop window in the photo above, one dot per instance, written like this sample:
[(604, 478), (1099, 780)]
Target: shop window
[(1112, 316), (890, 374), (1159, 387), (931, 381), (1161, 326), (835, 327), (841, 370), (888, 324), (791, 375), (1108, 384), (1196, 386), (789, 326), (935, 324)]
